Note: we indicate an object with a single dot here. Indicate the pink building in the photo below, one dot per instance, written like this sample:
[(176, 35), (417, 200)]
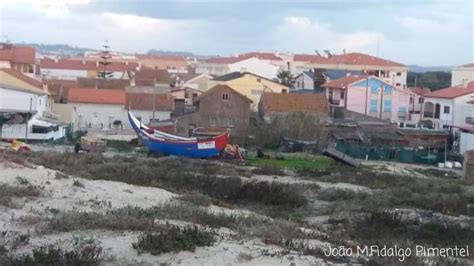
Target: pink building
[(375, 97)]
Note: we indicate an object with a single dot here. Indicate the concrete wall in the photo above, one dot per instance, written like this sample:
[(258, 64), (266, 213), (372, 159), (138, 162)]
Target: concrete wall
[(466, 142)]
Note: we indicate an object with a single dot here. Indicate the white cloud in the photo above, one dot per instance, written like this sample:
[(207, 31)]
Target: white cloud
[(422, 25), (303, 33), (49, 8)]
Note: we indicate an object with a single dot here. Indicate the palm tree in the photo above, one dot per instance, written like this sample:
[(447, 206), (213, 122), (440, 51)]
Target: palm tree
[(285, 77)]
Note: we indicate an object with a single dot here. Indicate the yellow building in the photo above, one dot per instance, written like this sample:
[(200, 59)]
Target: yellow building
[(250, 85)]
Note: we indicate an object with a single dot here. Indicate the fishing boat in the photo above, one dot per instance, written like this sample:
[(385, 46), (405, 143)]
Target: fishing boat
[(168, 144)]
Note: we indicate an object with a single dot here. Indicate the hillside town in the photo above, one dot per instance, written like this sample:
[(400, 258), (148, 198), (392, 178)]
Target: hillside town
[(49, 98)]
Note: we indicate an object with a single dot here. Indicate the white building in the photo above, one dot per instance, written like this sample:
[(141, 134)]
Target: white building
[(98, 108), (29, 115), (106, 109), (450, 107), (304, 81), (71, 69), (225, 65), (462, 74)]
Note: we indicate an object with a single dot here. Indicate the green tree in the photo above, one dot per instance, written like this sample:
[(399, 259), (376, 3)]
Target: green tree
[(285, 77)]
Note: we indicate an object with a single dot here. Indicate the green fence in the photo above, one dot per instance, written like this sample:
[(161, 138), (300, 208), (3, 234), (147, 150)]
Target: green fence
[(400, 154)]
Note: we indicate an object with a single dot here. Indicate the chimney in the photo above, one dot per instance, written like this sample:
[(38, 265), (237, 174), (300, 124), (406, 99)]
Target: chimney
[(83, 61), (126, 63), (97, 63), (344, 51), (317, 52), (56, 60), (328, 53), (464, 83)]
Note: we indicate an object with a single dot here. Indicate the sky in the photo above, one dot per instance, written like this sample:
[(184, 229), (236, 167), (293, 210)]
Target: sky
[(422, 32)]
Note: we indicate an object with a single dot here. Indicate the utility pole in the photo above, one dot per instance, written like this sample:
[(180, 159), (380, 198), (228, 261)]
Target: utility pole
[(366, 93), (27, 120), (154, 103)]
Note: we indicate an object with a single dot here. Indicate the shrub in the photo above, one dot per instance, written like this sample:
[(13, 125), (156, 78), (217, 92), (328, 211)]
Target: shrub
[(7, 193), (174, 174), (337, 194), (196, 198), (77, 183), (268, 170), (82, 252), (173, 239)]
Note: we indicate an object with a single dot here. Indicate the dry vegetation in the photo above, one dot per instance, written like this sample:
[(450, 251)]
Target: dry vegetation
[(281, 213)]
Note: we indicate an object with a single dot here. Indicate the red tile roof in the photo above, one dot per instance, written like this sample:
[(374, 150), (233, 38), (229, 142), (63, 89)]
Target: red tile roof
[(220, 87), (343, 82), (18, 75), (312, 58), (468, 65), (452, 92), (161, 57), (144, 101), (290, 102), (96, 96), (361, 59), (73, 64), (419, 91), (59, 88), (17, 54), (148, 76)]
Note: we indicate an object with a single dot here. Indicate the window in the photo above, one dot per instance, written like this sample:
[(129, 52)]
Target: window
[(283, 91), (225, 96), (186, 95), (446, 109), (399, 73), (420, 100), (342, 95), (397, 84), (411, 100), (259, 80), (212, 121), (437, 110), (298, 84), (373, 105), (231, 122)]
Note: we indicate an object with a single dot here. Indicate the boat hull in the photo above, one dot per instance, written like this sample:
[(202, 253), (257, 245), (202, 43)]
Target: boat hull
[(199, 148)]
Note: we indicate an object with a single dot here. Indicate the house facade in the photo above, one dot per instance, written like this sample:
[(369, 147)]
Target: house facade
[(71, 69), (391, 72), (450, 107), (246, 63), (98, 108), (27, 107), (172, 64), (371, 96), (462, 74), (304, 81), (19, 58), (149, 108), (250, 85), (221, 107), (277, 104)]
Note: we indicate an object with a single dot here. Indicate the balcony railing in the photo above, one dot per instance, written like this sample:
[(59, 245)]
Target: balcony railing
[(428, 114)]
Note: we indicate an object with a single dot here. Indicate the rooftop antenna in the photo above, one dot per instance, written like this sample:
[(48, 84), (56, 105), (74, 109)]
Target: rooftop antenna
[(317, 52)]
